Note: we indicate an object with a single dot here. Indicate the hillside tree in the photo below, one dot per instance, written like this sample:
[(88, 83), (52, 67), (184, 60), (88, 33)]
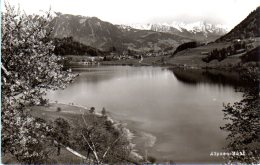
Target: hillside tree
[(29, 68), (243, 116)]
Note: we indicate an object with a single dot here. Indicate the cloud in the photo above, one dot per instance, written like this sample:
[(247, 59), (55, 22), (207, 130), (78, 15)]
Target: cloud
[(228, 12)]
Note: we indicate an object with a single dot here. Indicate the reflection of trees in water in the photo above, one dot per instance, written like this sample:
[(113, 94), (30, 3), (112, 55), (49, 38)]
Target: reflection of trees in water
[(244, 125), (243, 116), (214, 77)]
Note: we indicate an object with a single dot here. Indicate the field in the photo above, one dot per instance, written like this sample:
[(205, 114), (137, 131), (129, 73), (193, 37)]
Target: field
[(191, 58)]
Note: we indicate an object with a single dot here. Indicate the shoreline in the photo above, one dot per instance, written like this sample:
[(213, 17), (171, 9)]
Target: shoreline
[(68, 109), (227, 65)]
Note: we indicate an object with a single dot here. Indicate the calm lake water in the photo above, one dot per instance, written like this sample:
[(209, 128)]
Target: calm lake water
[(177, 113)]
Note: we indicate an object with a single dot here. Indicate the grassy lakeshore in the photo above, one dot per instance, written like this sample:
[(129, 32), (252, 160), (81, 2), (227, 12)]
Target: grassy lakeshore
[(190, 58), (73, 114)]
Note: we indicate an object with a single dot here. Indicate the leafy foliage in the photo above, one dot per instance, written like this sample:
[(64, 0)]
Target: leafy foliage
[(61, 134), (104, 112), (221, 54), (29, 68), (27, 138), (102, 140), (252, 55), (244, 122), (186, 46), (67, 46)]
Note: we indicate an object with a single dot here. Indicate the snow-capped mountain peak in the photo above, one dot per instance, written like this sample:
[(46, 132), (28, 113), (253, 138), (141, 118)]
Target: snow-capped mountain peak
[(200, 27)]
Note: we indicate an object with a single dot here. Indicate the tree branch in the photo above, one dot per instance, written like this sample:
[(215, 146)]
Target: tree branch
[(92, 149), (5, 71), (109, 147), (71, 150)]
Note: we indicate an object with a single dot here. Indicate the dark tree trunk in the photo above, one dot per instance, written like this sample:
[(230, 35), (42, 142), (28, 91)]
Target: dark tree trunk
[(58, 151)]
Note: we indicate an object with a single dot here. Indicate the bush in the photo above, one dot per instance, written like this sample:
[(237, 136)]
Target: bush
[(43, 101), (104, 112), (186, 46), (253, 55), (58, 109), (243, 117), (221, 54), (151, 159), (92, 110), (102, 140), (61, 128)]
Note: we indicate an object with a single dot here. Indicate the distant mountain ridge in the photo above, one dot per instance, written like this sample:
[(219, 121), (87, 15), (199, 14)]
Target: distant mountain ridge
[(87, 30), (104, 35), (249, 27), (200, 30), (229, 52)]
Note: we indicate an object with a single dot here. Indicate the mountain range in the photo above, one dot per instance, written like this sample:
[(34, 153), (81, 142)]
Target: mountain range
[(104, 35), (138, 37), (200, 30)]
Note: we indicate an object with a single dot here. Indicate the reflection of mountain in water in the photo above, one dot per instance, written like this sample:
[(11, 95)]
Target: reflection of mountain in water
[(194, 77)]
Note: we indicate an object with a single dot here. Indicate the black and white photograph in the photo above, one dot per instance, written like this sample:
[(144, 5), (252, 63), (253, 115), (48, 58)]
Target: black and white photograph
[(130, 82)]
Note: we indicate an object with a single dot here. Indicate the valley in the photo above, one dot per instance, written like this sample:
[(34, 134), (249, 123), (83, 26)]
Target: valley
[(179, 87), (156, 44)]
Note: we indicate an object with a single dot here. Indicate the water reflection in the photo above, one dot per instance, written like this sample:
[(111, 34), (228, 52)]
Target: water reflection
[(183, 119), (244, 123), (243, 116), (108, 73), (215, 77)]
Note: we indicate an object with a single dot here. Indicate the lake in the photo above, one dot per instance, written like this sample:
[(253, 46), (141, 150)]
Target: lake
[(176, 113)]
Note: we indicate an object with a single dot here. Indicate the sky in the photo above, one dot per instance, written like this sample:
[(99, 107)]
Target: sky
[(226, 12)]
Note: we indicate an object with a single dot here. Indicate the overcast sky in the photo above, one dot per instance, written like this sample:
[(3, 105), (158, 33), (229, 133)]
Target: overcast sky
[(227, 12)]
